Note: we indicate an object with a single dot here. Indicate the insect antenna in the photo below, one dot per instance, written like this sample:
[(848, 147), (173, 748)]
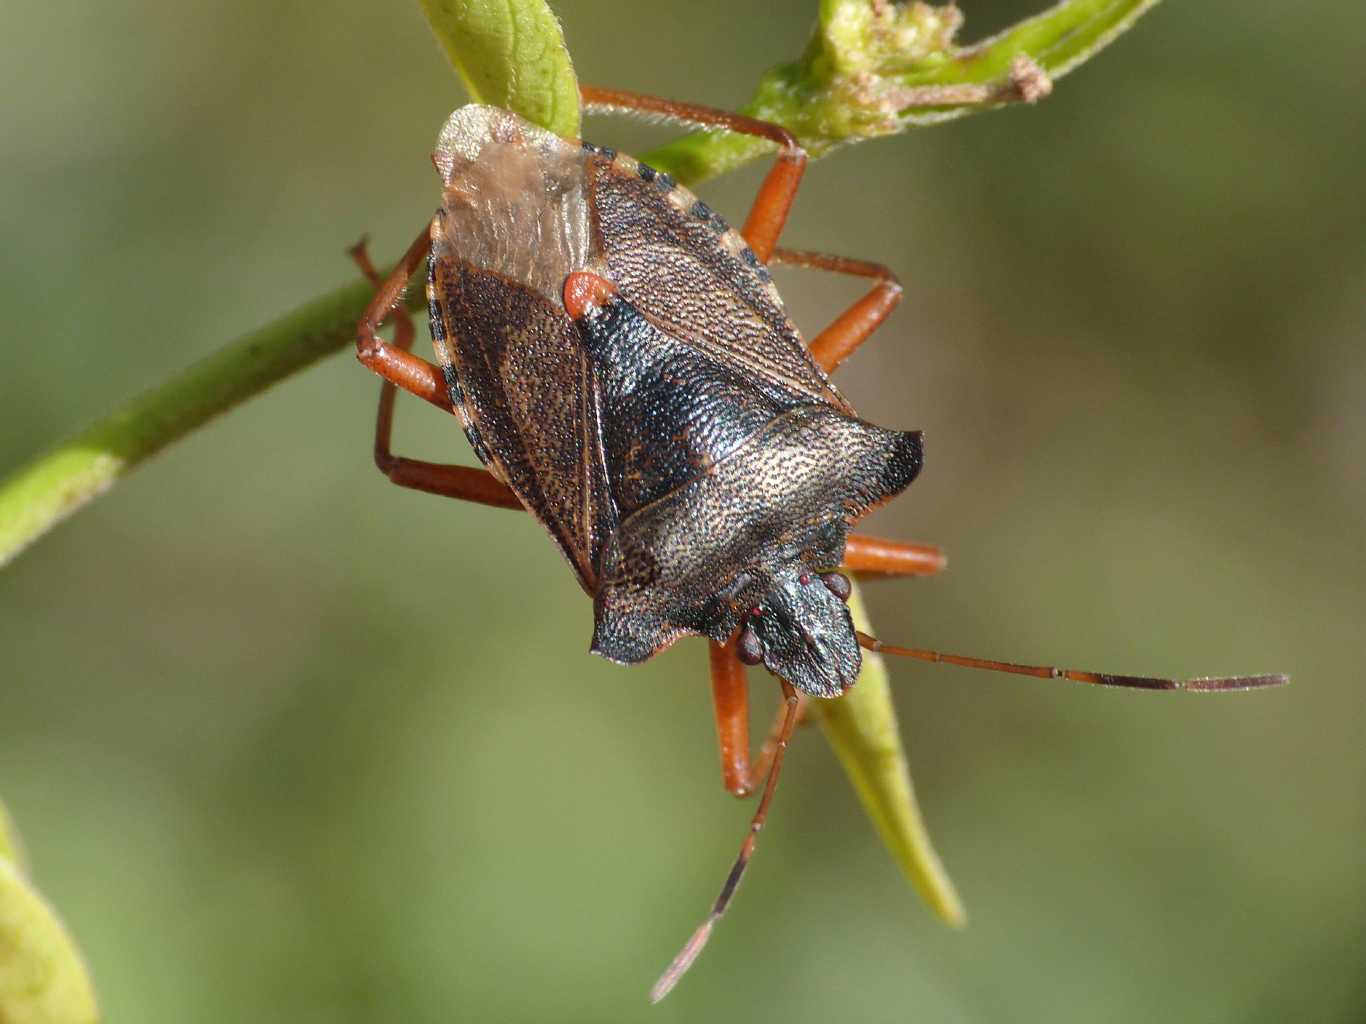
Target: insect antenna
[(694, 946), (1203, 684)]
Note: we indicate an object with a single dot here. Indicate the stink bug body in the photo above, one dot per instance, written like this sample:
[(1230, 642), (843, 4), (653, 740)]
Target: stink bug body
[(624, 368), (640, 318)]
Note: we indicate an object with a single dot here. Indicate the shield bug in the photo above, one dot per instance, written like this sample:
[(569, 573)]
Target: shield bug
[(624, 369)]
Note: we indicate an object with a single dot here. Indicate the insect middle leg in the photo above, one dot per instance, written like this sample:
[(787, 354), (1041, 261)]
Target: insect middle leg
[(874, 556), (400, 368), (769, 212), (856, 324), (864, 555)]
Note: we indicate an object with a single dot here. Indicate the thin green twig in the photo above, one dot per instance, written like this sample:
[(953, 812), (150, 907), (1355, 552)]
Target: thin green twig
[(46, 490)]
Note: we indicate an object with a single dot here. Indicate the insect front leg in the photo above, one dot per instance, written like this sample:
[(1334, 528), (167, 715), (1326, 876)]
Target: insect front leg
[(730, 700), (774, 199), (867, 556), (396, 364)]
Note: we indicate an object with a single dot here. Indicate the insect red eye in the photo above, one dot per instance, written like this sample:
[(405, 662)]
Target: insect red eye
[(749, 649), (804, 578), (756, 612), (838, 584)]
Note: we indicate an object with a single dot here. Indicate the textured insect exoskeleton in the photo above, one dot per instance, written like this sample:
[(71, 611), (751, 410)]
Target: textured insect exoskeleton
[(669, 429), (625, 370)]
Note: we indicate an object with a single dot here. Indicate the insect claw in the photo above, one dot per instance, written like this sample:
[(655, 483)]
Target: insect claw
[(357, 251)]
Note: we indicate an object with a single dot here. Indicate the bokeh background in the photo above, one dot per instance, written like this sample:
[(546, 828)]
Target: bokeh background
[(290, 744)]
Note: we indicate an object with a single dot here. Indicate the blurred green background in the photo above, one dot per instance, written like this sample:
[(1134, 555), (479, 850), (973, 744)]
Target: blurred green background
[(289, 744)]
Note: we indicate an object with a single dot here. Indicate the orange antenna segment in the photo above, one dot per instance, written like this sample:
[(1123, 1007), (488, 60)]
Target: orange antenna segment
[(1207, 684)]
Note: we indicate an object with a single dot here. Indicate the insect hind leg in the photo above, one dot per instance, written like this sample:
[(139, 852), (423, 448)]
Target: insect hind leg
[(856, 324)]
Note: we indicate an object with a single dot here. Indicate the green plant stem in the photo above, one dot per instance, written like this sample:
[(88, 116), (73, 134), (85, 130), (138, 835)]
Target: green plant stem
[(49, 488), (851, 83)]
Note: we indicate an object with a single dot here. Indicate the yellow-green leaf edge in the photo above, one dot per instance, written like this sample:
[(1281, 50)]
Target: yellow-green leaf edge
[(43, 979), (862, 727)]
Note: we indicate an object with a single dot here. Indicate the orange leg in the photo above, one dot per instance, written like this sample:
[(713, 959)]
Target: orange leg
[(400, 368), (763, 226), (730, 692), (769, 212), (403, 369), (851, 328), (873, 556), (730, 699)]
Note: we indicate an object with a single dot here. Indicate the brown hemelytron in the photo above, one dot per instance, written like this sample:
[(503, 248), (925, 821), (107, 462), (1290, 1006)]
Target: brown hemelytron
[(625, 370)]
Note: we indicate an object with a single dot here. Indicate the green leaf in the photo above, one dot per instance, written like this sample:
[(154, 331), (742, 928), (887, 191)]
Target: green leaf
[(43, 979), (511, 53), (54, 484), (862, 727), (1060, 38)]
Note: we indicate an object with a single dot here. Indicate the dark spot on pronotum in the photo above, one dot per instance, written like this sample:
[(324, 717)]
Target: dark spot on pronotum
[(665, 183), (701, 211), (747, 254), (646, 172)]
